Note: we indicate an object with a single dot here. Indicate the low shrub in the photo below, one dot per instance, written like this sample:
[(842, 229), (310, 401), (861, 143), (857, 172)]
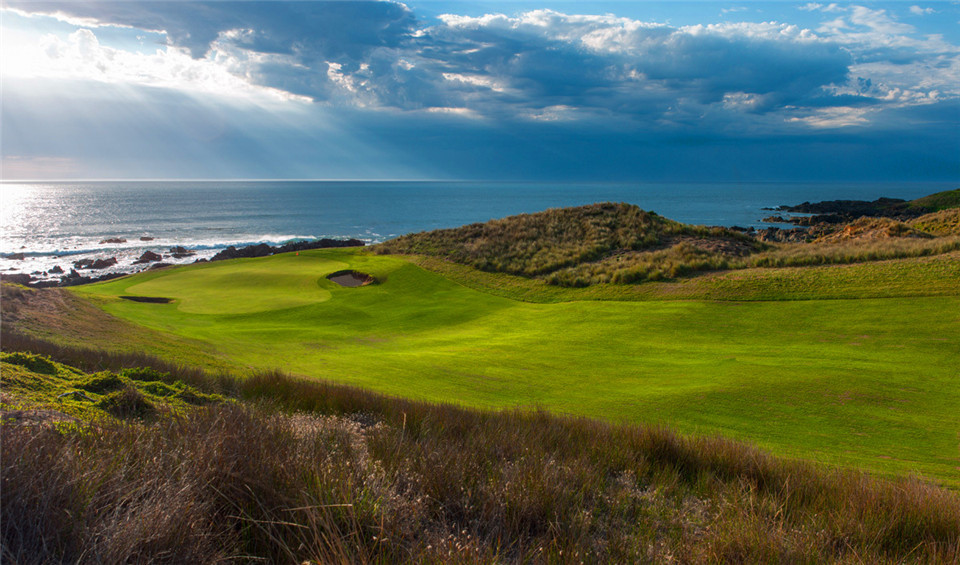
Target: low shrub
[(127, 402), (145, 374), (31, 361), (103, 382)]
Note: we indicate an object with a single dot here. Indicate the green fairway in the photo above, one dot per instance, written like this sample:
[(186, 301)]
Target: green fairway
[(870, 383)]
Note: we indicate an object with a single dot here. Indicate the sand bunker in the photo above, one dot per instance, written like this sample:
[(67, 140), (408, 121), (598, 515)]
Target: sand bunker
[(351, 278), (150, 299)]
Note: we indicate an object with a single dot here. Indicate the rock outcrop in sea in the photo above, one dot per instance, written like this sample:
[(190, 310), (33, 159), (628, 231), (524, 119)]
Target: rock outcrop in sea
[(262, 249)]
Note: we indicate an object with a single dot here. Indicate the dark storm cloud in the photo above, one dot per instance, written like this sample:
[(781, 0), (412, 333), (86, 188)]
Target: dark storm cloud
[(309, 29)]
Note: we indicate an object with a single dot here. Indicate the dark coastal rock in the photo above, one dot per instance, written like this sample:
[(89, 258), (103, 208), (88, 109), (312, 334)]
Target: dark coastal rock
[(232, 252), (23, 279), (148, 257), (843, 211), (318, 244), (56, 270), (228, 253), (160, 265), (814, 220), (113, 240), (262, 249), (146, 238), (259, 250), (15, 256), (74, 279), (94, 264), (847, 207), (104, 263), (180, 252)]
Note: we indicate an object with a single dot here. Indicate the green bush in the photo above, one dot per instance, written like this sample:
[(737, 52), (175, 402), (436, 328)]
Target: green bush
[(35, 363), (144, 374), (103, 382)]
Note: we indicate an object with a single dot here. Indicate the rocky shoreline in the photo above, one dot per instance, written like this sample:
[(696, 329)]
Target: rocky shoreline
[(76, 275), (823, 218), (843, 211)]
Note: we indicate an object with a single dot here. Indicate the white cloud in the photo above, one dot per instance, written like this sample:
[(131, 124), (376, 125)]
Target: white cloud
[(462, 112), (80, 55), (917, 10), (816, 7), (878, 20), (833, 118), (540, 65)]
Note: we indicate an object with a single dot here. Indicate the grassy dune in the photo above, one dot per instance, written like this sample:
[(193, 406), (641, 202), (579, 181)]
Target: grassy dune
[(607, 243), (583, 245), (863, 382)]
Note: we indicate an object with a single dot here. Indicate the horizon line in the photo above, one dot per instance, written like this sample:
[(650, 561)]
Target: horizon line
[(559, 181)]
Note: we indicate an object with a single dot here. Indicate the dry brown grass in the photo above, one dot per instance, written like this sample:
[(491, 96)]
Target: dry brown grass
[(579, 246), (621, 244), (846, 251), (872, 228), (311, 471), (942, 223)]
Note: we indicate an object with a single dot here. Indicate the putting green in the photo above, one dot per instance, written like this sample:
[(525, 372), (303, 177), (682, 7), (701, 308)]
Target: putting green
[(869, 383), (236, 287)]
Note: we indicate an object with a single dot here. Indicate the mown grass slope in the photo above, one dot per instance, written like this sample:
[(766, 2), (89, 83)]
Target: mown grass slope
[(857, 382), (305, 471)]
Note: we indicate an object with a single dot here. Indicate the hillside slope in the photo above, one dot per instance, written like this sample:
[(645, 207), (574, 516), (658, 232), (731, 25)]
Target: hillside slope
[(603, 242), (622, 244)]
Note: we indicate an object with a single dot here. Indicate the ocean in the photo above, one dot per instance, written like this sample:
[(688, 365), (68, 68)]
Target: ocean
[(57, 223)]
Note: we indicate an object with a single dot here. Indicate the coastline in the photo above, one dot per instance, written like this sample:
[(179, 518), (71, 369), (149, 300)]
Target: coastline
[(73, 270), (48, 228)]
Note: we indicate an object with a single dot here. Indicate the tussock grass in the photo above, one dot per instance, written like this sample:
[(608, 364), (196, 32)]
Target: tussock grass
[(851, 251), (312, 471), (680, 259), (622, 244), (580, 246), (942, 223), (872, 228)]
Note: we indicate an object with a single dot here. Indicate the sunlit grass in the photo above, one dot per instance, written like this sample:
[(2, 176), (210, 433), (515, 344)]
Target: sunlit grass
[(858, 382)]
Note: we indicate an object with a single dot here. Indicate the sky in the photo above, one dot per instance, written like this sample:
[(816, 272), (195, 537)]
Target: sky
[(512, 90)]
